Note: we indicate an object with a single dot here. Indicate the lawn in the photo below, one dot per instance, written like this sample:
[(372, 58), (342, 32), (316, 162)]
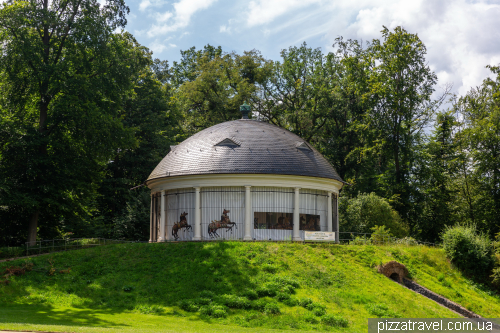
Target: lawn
[(230, 286)]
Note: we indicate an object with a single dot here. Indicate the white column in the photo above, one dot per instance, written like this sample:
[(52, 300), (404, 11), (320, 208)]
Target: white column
[(162, 217), (151, 220), (330, 212), (168, 235), (337, 232), (248, 214), (197, 215), (296, 215)]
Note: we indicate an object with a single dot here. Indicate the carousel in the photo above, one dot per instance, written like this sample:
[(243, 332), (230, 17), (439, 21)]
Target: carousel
[(243, 180)]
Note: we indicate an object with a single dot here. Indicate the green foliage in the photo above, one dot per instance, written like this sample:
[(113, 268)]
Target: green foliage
[(381, 311), (334, 321), (470, 251), (364, 212), (272, 308), (250, 294), (214, 311)]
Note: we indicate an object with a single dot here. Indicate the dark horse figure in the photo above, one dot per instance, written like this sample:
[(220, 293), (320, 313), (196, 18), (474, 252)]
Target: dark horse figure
[(182, 224), (224, 223)]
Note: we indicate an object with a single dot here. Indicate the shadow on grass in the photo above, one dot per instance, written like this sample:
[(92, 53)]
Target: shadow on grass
[(134, 276), (48, 315)]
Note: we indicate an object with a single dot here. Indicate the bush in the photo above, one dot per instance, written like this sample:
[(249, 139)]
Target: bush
[(292, 301), (381, 310), (188, 305), (362, 213), (319, 310), (11, 252), (410, 241), (281, 296), (309, 318), (286, 281), (381, 235), (250, 294), (305, 302), (272, 308), (214, 311), (207, 294), (334, 321), (259, 304), (468, 250), (234, 302), (269, 289), (149, 309)]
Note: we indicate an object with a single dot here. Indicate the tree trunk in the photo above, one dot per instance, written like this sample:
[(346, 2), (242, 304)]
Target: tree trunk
[(32, 228)]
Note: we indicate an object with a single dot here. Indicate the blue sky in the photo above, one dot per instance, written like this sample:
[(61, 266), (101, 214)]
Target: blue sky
[(462, 36)]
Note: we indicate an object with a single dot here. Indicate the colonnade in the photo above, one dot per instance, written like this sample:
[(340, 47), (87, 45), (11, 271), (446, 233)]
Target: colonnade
[(248, 216)]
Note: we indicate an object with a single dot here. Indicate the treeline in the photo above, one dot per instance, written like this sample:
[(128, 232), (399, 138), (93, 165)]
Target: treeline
[(86, 113)]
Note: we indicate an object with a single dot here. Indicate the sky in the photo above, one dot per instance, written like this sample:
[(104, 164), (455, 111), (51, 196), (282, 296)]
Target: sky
[(461, 36)]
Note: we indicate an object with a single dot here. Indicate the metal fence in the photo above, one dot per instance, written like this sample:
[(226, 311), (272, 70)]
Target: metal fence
[(359, 238), (55, 245)]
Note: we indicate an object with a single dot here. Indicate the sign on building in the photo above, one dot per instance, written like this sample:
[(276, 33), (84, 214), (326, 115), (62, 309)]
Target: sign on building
[(319, 236)]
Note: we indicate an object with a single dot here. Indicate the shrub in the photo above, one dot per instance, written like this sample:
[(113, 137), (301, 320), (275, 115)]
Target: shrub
[(259, 304), (272, 308), (381, 310), (362, 213), (309, 318), (202, 301), (381, 235), (269, 289), (334, 321), (234, 302), (407, 241), (319, 310), (468, 250), (269, 268), (214, 311), (361, 241), (207, 294), (149, 309), (250, 294), (292, 301), (281, 296), (286, 281), (305, 302), (188, 305)]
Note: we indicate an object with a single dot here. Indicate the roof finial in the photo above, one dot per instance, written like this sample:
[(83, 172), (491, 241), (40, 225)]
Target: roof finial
[(245, 110)]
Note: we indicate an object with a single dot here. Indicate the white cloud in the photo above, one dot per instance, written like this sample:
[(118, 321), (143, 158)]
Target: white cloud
[(461, 35), (144, 4), (265, 11), (178, 18), (223, 28)]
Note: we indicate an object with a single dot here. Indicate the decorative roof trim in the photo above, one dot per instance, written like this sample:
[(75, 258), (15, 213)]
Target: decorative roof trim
[(227, 142), (303, 145)]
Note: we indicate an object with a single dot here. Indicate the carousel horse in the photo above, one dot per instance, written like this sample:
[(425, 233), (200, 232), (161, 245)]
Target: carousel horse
[(182, 224), (223, 223)]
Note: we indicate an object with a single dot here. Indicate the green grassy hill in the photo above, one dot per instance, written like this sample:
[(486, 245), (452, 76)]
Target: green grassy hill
[(229, 286)]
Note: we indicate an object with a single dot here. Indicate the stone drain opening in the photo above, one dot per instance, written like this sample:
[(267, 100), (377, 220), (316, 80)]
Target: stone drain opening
[(394, 277), (398, 273)]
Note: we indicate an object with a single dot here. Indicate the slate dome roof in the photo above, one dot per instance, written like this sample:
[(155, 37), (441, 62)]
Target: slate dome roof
[(244, 146)]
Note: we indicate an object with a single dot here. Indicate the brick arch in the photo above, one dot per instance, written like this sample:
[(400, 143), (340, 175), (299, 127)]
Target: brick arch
[(394, 270)]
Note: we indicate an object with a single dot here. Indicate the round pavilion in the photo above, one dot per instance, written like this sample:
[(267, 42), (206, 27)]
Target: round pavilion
[(243, 180)]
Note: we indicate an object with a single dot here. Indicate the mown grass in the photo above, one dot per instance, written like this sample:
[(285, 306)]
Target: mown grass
[(230, 286)]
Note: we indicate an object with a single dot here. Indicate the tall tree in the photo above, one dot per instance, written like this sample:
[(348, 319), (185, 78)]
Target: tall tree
[(212, 85), (64, 73), (401, 87), (480, 112)]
